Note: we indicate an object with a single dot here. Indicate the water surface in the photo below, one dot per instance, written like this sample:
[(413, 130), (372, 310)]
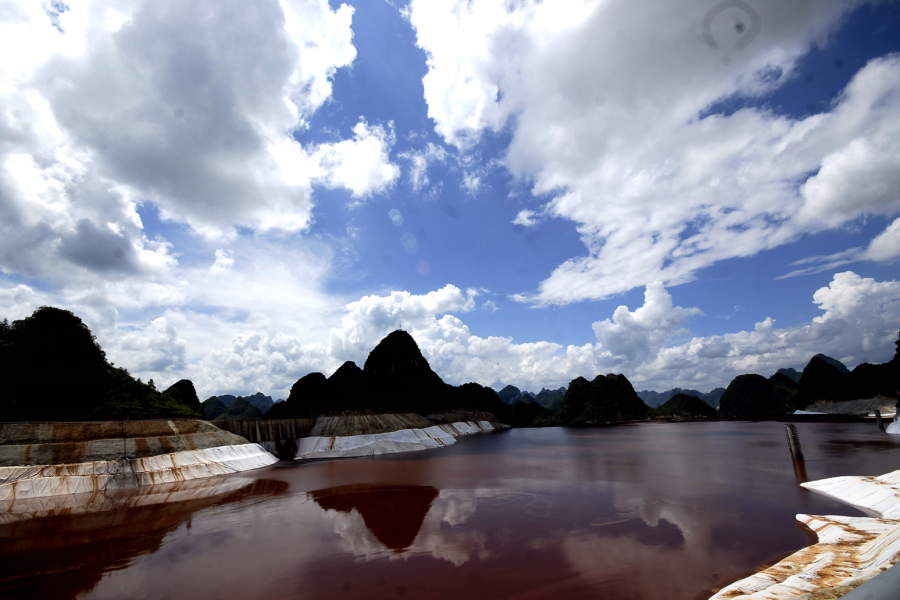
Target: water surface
[(650, 511)]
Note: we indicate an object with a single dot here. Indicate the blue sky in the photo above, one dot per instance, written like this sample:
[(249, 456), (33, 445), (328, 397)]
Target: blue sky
[(539, 190)]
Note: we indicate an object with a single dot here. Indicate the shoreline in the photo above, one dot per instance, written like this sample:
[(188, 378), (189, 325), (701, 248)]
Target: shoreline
[(849, 552)]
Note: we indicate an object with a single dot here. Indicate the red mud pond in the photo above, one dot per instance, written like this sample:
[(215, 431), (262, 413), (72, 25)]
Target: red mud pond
[(648, 511)]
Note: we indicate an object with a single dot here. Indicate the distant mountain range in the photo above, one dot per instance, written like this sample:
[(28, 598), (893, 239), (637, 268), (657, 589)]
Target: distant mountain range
[(395, 378), (549, 399), (232, 408), (655, 399), (53, 370)]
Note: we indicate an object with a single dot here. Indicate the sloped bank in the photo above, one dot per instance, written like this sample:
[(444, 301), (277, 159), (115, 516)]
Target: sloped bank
[(850, 550), (345, 436), (52, 459)]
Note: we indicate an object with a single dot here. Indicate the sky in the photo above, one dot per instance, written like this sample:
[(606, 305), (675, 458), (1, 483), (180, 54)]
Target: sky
[(243, 193)]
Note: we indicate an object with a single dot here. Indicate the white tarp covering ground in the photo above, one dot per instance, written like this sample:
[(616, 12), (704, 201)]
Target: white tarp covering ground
[(36, 481), (403, 440), (12, 511), (851, 550)]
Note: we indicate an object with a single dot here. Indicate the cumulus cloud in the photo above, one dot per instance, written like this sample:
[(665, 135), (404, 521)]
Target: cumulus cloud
[(886, 246), (650, 344), (155, 347), (109, 105), (224, 261), (608, 106), (641, 333), (419, 160), (526, 218), (361, 165), (268, 349)]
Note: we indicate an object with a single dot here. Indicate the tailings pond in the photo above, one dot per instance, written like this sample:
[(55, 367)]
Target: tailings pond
[(648, 511)]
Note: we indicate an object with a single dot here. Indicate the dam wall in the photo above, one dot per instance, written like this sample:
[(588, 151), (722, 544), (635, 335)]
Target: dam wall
[(55, 459), (341, 436), (269, 430), (30, 444), (52, 459)]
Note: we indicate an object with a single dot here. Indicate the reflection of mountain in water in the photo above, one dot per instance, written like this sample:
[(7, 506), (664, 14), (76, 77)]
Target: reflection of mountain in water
[(394, 514), (664, 533), (64, 550)]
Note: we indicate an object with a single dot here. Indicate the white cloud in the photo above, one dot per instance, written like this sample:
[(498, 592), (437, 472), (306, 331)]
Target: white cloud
[(471, 183), (190, 107), (526, 218), (606, 106), (361, 165), (640, 334), (155, 347), (419, 160), (886, 246), (224, 261), (224, 348)]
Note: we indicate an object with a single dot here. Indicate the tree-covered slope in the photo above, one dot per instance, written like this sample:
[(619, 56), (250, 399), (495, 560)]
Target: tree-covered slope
[(53, 369), (607, 398), (682, 405)]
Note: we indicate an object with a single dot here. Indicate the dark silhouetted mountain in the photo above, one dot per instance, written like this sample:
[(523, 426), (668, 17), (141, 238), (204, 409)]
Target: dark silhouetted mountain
[(550, 399), (714, 397), (749, 396), (308, 398), (473, 396), (347, 387), (792, 374), (241, 410), (52, 369), (226, 399), (869, 381), (260, 401), (530, 414), (509, 395), (822, 380), (184, 391), (396, 377), (784, 390), (213, 407), (605, 399), (654, 399), (834, 363), (683, 405)]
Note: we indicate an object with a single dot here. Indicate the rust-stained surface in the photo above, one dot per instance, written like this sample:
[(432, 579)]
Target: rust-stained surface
[(23, 482), (30, 444), (269, 430), (346, 425), (63, 459), (263, 431), (850, 550)]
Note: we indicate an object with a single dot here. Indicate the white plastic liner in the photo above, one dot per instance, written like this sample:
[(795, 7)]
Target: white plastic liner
[(403, 440), (877, 495), (850, 550), (24, 509), (55, 480)]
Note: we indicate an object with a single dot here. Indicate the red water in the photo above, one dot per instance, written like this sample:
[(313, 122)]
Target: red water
[(645, 511)]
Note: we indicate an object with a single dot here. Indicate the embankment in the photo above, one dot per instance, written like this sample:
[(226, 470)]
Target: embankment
[(850, 550), (52, 459), (341, 436)]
